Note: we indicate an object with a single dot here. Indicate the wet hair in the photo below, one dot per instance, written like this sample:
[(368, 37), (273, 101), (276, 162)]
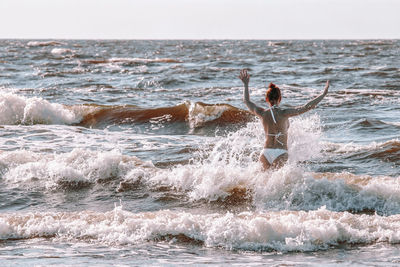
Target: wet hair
[(273, 95)]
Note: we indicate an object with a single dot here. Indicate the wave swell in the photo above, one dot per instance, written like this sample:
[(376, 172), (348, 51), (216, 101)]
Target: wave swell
[(387, 151), (43, 43), (16, 109), (197, 114)]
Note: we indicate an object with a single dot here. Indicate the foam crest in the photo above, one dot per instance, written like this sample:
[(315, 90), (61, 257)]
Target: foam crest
[(127, 60), (68, 170), (353, 147), (143, 60), (43, 43), (61, 51), (294, 189), (269, 231), (199, 113), (15, 109)]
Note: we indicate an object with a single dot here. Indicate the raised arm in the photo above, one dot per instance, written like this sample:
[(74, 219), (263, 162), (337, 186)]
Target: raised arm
[(310, 105), (245, 77)]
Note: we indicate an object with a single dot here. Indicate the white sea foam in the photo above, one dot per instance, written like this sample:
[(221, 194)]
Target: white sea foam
[(15, 109), (142, 60), (281, 231), (299, 190), (233, 160), (199, 114), (61, 51), (29, 169)]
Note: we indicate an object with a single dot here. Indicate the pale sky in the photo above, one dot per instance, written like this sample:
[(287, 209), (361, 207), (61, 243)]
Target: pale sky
[(200, 19)]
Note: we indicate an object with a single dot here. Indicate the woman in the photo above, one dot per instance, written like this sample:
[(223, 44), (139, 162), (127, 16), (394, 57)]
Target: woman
[(275, 121)]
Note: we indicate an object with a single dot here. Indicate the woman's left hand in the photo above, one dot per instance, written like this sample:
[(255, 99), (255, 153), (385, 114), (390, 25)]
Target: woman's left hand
[(244, 76)]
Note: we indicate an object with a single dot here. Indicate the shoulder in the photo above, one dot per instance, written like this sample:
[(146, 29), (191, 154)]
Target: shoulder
[(288, 111), (259, 111)]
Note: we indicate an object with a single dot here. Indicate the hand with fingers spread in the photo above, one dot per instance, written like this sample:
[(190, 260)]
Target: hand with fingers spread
[(244, 76)]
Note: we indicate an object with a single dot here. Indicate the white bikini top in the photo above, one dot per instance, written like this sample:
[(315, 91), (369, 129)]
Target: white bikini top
[(278, 134)]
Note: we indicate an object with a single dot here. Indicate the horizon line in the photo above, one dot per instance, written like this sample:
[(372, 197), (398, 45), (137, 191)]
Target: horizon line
[(200, 39)]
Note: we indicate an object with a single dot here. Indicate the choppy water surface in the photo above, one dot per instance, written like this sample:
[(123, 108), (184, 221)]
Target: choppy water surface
[(142, 152)]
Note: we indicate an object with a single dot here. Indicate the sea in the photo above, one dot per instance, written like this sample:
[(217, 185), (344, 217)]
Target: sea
[(142, 152)]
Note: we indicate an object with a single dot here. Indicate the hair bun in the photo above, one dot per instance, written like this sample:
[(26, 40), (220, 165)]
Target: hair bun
[(273, 95)]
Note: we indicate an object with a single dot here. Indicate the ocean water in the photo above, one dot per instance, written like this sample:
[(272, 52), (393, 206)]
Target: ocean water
[(142, 153)]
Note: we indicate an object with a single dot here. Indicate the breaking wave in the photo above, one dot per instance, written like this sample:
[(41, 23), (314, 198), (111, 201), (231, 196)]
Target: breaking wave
[(224, 170), (197, 114), (282, 231), (75, 170), (16, 109)]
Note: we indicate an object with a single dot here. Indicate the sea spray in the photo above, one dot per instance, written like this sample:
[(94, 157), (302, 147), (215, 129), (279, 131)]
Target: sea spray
[(304, 138), (232, 161)]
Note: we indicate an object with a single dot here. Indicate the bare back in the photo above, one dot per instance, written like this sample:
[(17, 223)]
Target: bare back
[(276, 131)]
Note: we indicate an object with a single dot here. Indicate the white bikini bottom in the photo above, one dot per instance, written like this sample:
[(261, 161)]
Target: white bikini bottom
[(272, 153)]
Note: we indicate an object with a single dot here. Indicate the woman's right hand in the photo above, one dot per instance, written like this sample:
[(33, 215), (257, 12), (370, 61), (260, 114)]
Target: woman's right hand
[(326, 87), (244, 76)]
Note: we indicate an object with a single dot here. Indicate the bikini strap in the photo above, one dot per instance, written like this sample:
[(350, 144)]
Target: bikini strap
[(276, 137), (272, 114)]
